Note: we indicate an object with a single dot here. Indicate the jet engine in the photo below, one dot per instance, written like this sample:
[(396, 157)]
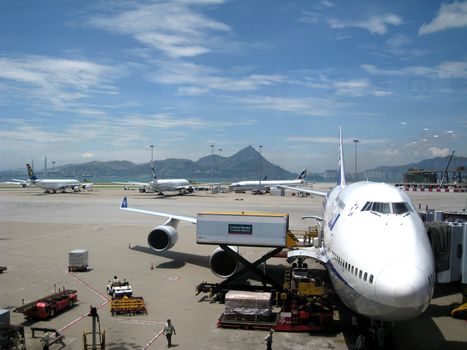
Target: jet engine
[(86, 186), (162, 238), (222, 264)]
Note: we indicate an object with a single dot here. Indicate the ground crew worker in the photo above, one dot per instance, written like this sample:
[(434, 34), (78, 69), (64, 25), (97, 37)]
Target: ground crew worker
[(169, 329), (268, 340), (116, 282)]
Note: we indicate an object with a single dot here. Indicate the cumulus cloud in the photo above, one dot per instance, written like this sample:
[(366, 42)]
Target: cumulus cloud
[(449, 16), (374, 24), (439, 152)]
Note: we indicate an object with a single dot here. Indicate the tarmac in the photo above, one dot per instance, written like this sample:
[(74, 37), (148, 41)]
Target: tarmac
[(38, 230)]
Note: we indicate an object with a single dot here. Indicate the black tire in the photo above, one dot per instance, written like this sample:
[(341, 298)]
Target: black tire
[(71, 303), (52, 312)]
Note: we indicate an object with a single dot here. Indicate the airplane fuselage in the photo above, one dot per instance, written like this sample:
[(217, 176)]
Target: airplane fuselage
[(378, 253), (57, 184), (169, 184), (253, 185)]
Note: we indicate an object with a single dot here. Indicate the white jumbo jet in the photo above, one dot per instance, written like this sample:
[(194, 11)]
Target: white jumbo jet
[(182, 186), (372, 242), (53, 185), (268, 184), (375, 247)]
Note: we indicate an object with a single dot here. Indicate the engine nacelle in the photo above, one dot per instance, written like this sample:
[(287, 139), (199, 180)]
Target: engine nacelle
[(162, 238), (86, 186), (76, 188), (222, 264)]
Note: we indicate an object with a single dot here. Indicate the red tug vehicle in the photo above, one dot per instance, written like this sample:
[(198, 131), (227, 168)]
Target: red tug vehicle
[(50, 305)]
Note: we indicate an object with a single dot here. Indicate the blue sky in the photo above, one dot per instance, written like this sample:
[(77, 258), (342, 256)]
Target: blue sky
[(102, 80)]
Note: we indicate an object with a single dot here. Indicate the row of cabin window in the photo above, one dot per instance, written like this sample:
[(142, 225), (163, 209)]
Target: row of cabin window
[(354, 270)]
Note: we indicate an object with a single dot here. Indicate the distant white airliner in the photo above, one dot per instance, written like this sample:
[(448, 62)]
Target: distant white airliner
[(53, 185), (268, 184), (372, 242), (182, 186)]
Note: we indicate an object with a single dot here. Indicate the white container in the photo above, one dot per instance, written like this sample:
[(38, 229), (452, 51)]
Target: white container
[(242, 229), (78, 260)]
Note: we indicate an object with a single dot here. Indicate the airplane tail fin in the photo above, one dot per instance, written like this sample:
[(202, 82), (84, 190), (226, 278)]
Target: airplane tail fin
[(153, 172), (302, 175), (124, 203), (31, 174), (341, 181)]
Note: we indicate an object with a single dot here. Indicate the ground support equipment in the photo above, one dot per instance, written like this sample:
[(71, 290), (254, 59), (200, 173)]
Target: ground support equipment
[(48, 306), (12, 337), (247, 321), (128, 306), (219, 289)]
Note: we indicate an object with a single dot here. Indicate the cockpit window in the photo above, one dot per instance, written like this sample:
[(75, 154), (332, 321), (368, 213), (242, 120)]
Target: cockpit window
[(382, 208), (387, 208), (400, 208)]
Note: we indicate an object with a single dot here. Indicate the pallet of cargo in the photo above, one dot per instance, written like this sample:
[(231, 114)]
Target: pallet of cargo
[(128, 306), (247, 321)]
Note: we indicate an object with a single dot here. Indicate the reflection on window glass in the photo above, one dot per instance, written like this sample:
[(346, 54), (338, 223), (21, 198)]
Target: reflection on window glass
[(400, 208)]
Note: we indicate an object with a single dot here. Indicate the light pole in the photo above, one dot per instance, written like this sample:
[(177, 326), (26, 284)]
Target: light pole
[(356, 169), (220, 156), (212, 168), (260, 147), (152, 153)]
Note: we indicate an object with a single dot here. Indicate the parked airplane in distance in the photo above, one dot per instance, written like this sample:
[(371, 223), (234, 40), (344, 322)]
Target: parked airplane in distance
[(182, 186), (23, 183), (371, 241), (267, 184), (54, 185)]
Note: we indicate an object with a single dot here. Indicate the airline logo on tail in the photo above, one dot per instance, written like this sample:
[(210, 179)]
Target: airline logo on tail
[(302, 175), (153, 173), (31, 173)]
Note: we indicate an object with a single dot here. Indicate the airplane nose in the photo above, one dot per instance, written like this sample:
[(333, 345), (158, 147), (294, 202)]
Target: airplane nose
[(403, 285)]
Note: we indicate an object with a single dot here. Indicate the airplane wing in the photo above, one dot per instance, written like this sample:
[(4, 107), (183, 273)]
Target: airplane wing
[(304, 190), (124, 206)]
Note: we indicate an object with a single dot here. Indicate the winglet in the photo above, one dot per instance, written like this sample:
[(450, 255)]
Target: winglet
[(124, 203), (341, 176), (31, 174)]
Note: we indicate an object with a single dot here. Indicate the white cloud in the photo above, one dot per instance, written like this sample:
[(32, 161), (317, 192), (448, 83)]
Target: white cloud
[(173, 27), (445, 70), (439, 152), (88, 155), (356, 88), (449, 16), (57, 81), (374, 24), (302, 106), (197, 79)]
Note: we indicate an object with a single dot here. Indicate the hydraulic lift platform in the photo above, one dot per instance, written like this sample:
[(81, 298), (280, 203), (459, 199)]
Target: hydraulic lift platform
[(218, 290)]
